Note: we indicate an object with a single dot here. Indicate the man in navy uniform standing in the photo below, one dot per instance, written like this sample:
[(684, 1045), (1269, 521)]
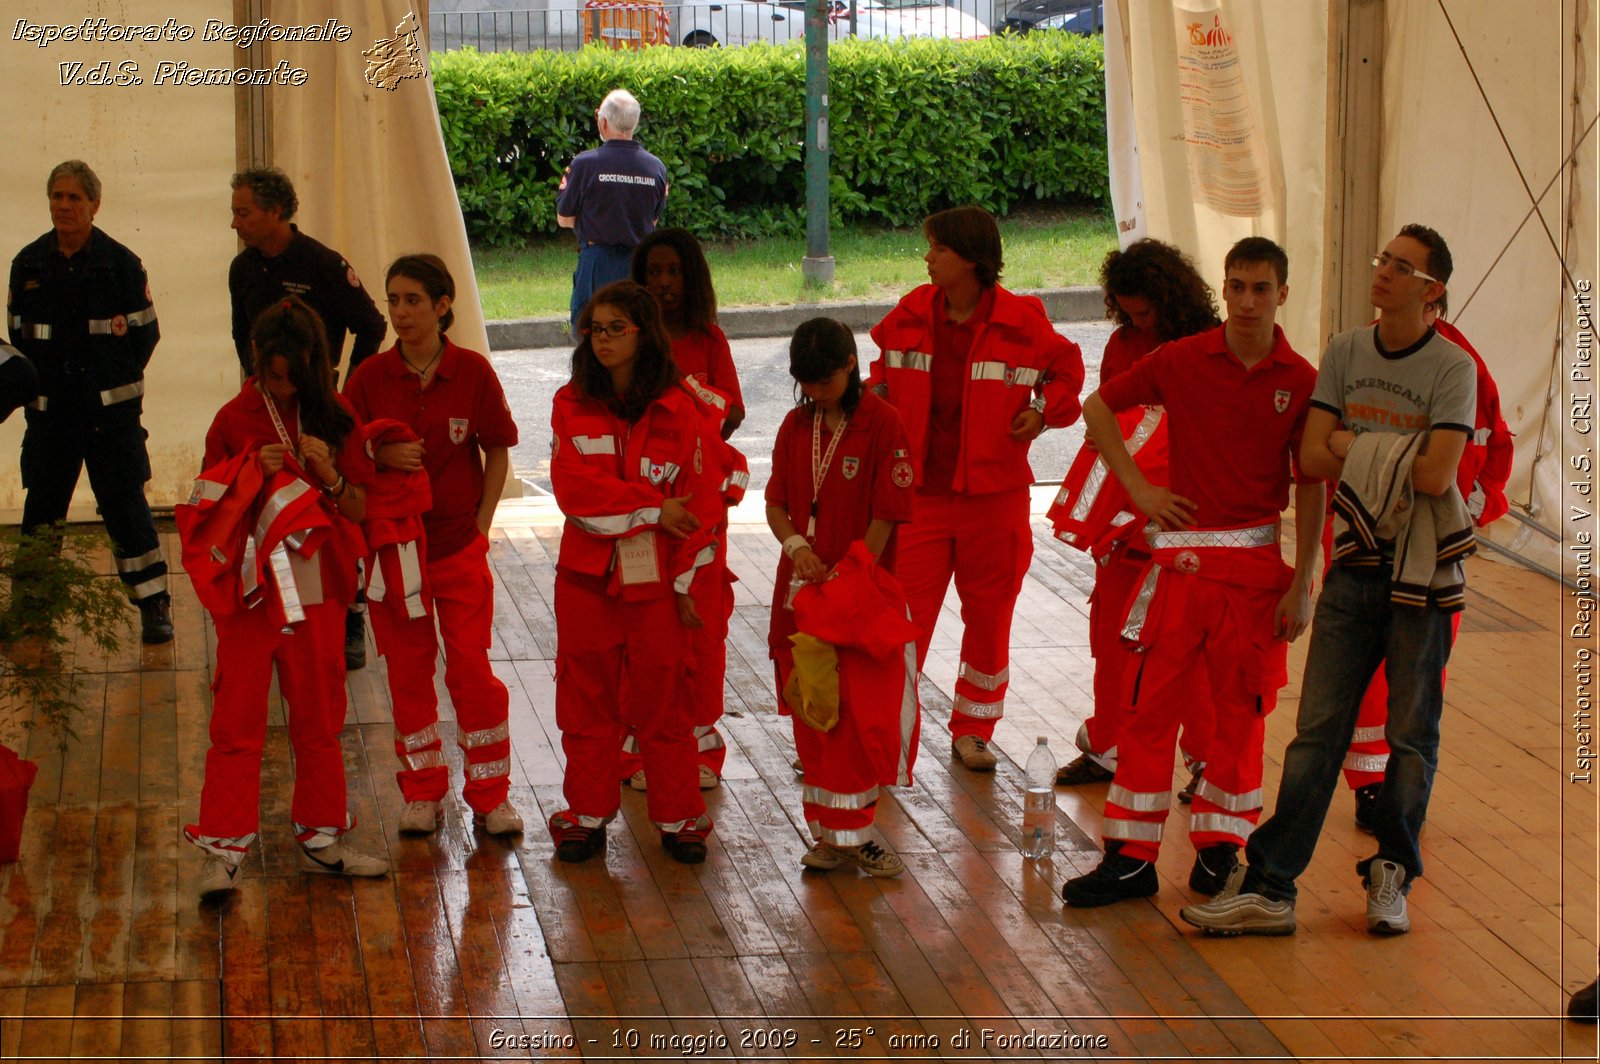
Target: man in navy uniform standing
[(612, 197)]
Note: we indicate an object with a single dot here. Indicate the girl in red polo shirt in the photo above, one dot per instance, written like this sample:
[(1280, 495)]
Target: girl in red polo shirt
[(286, 431), (452, 402), (841, 474)]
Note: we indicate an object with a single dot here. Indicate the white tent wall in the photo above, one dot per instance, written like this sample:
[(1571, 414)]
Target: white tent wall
[(163, 154), (368, 163)]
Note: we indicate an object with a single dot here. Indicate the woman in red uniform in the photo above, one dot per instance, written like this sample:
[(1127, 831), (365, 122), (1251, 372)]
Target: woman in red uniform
[(632, 472), (841, 475), (295, 443), (670, 263), (452, 402), (1154, 294)]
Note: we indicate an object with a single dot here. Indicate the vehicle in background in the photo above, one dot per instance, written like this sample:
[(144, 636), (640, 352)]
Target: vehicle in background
[(1086, 17)]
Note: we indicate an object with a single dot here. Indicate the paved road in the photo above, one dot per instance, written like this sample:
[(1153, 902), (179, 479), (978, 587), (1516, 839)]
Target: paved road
[(531, 378)]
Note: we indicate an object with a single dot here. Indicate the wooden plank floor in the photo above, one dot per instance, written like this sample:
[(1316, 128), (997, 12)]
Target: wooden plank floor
[(475, 949)]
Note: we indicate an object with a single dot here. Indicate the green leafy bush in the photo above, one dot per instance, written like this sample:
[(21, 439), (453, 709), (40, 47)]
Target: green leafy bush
[(916, 126)]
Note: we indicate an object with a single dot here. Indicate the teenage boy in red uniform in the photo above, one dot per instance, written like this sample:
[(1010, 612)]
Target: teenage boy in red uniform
[(1218, 605)]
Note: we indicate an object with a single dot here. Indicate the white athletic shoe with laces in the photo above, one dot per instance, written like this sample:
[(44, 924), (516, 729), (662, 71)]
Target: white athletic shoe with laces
[(1386, 900), (339, 858), (219, 878), (420, 818), (503, 819)]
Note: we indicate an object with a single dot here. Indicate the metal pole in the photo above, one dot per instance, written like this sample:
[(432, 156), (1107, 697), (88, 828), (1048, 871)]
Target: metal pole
[(817, 266)]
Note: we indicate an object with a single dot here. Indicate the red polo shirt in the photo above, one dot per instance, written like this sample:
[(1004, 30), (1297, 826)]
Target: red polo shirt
[(462, 410), (952, 346), (1126, 346), (704, 355), (1234, 433)]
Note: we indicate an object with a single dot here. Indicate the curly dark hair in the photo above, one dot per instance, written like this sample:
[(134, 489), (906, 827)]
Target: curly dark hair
[(653, 369), (699, 297), (291, 330), (1149, 269)]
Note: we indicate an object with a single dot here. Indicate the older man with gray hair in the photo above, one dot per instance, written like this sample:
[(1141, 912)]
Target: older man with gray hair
[(612, 197)]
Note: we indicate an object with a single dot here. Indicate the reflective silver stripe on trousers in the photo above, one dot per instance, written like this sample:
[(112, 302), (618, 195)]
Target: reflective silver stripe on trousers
[(617, 524), (142, 561), (1366, 762), (918, 360), (908, 714), (473, 739), (1132, 830), (834, 800), (1259, 536), (1233, 803), (1138, 801), (838, 836), (424, 759), (980, 710), (985, 680), (1222, 823), (709, 738), (1134, 624), (595, 444), (410, 579), (1367, 735), (156, 585), (418, 739), (288, 591), (490, 770)]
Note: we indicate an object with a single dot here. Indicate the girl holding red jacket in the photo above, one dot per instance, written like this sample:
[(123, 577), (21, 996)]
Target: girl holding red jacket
[(303, 437), (977, 373), (634, 472), (453, 403)]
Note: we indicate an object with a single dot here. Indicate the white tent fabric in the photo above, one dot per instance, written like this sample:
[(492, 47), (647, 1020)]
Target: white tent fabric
[(368, 164), (1527, 70)]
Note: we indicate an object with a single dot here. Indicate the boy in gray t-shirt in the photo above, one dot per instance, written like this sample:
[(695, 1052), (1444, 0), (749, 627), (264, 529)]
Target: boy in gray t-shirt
[(1396, 376)]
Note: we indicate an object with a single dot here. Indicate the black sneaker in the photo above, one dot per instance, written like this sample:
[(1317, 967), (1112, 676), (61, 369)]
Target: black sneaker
[(574, 842), (155, 614), (355, 641), (1584, 1007), (1118, 877), (1367, 805), (1081, 770), (1211, 867)]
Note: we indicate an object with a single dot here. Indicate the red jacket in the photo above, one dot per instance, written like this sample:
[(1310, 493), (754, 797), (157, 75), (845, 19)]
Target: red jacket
[(1015, 356), (731, 462), (393, 527), (1486, 462), (611, 477)]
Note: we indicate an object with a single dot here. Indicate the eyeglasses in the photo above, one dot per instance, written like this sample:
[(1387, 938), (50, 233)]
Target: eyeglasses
[(1401, 266), (616, 328)]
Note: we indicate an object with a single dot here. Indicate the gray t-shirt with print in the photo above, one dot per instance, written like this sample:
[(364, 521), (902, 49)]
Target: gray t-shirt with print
[(1431, 384)]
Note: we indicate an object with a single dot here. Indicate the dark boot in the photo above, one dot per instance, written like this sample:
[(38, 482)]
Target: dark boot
[(155, 614)]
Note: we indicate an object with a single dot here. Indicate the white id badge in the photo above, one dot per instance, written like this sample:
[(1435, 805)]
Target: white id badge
[(636, 560)]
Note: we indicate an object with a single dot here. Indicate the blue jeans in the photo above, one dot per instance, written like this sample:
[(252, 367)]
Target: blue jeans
[(1356, 626), (598, 266)]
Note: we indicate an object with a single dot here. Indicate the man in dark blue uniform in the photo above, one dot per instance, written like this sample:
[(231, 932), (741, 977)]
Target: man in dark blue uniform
[(19, 382), (79, 308), (612, 197)]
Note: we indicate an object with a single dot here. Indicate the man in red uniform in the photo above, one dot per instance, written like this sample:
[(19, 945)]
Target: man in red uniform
[(1218, 605), (977, 374)]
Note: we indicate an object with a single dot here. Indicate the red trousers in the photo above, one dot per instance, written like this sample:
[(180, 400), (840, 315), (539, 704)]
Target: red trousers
[(984, 542), (624, 665), (462, 603), (1199, 634), (1115, 583), (310, 662)]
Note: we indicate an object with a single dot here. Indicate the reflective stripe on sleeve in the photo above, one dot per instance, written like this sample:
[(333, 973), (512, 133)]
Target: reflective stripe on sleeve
[(618, 524), (917, 360)]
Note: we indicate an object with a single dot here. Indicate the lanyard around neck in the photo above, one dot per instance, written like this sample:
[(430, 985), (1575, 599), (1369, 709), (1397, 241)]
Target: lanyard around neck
[(820, 461), (277, 422)]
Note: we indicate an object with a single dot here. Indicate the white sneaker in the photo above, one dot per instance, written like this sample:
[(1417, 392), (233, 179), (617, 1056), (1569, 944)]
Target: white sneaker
[(636, 781), (339, 858), (1241, 914), (821, 857), (420, 818), (503, 819), (218, 878), (1386, 901), (709, 780)]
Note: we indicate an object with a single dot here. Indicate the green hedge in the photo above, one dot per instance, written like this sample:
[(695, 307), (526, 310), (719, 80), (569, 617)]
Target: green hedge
[(916, 125)]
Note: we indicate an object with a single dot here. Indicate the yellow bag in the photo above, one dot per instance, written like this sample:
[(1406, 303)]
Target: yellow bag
[(812, 692)]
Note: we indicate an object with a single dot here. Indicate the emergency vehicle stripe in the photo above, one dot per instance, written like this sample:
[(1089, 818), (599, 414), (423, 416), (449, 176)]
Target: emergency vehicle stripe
[(1367, 735), (1259, 536), (989, 371), (595, 444), (288, 590), (424, 759), (617, 524), (1233, 803), (908, 714), (985, 680), (1366, 762), (418, 739), (918, 360), (156, 585), (490, 770), (838, 836), (1132, 830), (1026, 376), (142, 561), (1220, 823), (486, 737), (1134, 624), (709, 738), (1138, 801), (1091, 489), (122, 393), (834, 800), (980, 710)]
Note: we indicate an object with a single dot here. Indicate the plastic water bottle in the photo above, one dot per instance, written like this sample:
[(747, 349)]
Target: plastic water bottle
[(1039, 803)]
